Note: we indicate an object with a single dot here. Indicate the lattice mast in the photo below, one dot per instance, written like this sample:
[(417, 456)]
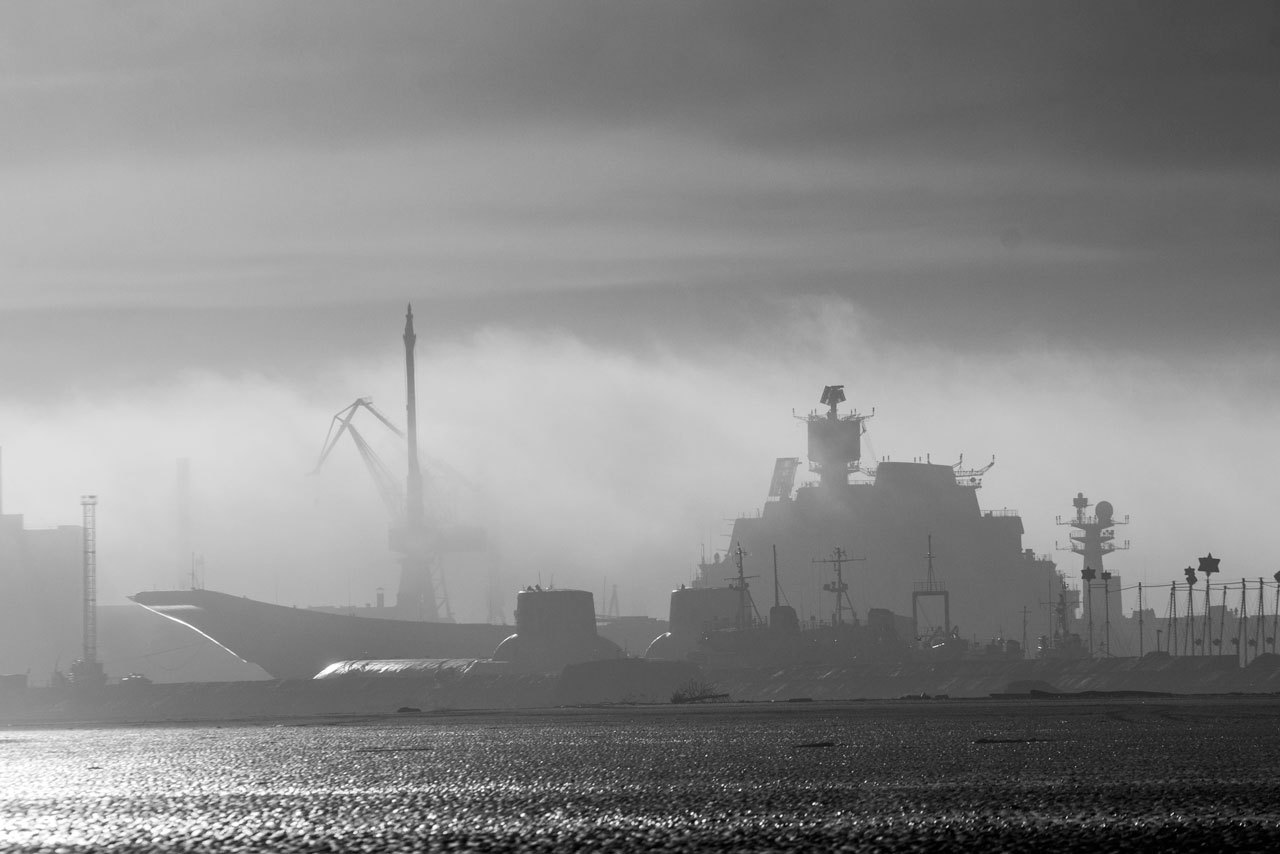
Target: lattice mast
[(930, 588), (839, 588), (746, 606), (87, 672), (89, 507), (1093, 538)]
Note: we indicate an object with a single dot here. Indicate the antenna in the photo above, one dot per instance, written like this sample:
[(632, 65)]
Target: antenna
[(930, 588), (741, 586), (776, 602), (1093, 539), (838, 588)]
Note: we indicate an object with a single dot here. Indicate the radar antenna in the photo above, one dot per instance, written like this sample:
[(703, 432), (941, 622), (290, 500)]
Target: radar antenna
[(835, 440)]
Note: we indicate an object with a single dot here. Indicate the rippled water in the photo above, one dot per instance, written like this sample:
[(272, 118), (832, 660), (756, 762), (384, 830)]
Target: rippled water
[(967, 776)]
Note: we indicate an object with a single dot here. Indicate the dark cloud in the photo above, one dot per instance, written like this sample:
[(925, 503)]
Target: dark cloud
[(1142, 84), (247, 178)]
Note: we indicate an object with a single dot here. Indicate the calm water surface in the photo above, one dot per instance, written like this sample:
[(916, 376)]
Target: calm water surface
[(896, 776)]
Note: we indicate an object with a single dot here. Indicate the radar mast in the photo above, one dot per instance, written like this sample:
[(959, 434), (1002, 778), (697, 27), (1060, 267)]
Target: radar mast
[(835, 440), (1092, 539)]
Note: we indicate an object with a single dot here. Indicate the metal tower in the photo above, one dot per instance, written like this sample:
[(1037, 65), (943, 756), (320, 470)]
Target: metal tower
[(417, 591), (930, 588), (87, 672), (1093, 538), (838, 588), (418, 541), (746, 605), (89, 508)]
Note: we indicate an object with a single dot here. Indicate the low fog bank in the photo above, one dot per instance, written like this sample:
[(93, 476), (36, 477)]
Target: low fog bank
[(592, 465)]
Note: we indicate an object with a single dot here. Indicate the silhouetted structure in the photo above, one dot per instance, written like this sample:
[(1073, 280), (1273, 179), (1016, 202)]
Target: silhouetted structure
[(1093, 539), (884, 515)]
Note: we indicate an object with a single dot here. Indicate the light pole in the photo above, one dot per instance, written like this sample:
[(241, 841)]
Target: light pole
[(1190, 642), (1208, 566), (1106, 610)]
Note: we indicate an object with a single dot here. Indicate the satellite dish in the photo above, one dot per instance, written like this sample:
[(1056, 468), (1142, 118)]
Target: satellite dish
[(1105, 512)]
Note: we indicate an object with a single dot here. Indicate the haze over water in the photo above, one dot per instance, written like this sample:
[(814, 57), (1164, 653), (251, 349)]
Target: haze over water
[(635, 237)]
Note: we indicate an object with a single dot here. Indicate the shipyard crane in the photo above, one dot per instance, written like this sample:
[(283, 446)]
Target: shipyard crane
[(389, 487), (418, 535)]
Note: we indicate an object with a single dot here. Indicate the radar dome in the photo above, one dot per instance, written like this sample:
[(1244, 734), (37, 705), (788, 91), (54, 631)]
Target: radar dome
[(1105, 512)]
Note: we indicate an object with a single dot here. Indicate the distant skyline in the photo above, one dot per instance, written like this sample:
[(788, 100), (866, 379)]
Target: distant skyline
[(1049, 232)]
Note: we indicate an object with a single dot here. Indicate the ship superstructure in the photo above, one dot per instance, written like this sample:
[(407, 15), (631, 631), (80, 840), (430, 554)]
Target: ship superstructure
[(883, 515), (1093, 537)]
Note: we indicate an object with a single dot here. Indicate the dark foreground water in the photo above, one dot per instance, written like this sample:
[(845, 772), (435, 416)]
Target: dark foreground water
[(928, 775)]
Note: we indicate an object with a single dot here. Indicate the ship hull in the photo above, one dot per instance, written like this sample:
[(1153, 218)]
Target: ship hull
[(297, 643)]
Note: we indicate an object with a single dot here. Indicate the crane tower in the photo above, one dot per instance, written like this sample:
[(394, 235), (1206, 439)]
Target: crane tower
[(417, 587)]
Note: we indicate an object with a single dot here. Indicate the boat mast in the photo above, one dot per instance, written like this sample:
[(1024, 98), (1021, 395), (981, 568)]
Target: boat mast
[(841, 590), (739, 583), (1093, 538), (932, 588), (776, 599)]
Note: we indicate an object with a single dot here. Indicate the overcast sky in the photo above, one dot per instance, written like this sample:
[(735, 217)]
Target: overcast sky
[(636, 235)]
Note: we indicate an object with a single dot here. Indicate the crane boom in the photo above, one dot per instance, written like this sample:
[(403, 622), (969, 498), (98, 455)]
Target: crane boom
[(388, 487), (341, 423)]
